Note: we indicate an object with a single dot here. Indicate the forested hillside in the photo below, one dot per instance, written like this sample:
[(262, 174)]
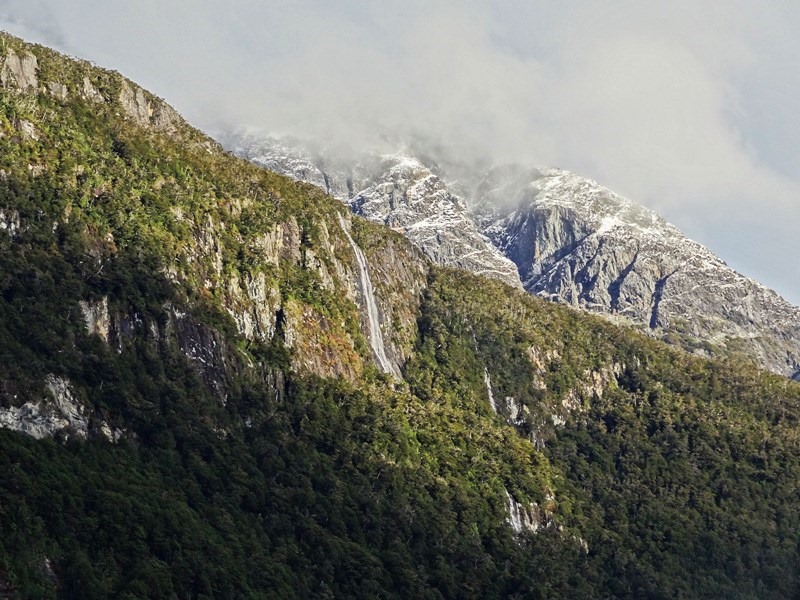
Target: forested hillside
[(191, 406)]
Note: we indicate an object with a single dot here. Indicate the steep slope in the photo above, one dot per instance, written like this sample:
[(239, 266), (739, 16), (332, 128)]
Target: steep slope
[(166, 312), (190, 339), (395, 190), (665, 465)]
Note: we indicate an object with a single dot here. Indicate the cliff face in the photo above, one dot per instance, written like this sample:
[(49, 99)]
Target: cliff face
[(277, 265), (216, 382)]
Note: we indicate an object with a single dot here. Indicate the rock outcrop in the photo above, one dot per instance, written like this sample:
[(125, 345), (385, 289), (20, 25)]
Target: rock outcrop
[(411, 198), (19, 71), (144, 111), (60, 413)]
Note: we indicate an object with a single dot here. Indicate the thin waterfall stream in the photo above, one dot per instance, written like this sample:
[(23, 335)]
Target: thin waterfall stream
[(375, 334), (488, 381)]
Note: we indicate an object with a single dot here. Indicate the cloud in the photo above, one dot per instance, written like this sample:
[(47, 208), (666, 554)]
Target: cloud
[(687, 107), (31, 21)]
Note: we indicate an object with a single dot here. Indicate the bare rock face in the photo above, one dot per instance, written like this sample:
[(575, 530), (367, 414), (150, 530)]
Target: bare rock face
[(340, 179), (409, 197), (135, 104), (10, 222), (89, 92), (61, 413), (579, 243), (19, 72), (261, 309), (399, 275), (95, 313), (58, 90), (528, 519), (164, 117), (143, 111)]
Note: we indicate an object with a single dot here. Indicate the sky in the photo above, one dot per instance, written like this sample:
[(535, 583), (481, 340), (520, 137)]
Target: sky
[(687, 106)]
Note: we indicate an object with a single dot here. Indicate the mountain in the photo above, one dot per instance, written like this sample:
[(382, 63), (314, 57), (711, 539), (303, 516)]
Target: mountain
[(577, 242), (216, 382), (568, 238)]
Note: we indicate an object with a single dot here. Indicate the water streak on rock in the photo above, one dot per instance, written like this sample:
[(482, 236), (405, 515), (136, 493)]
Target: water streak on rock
[(375, 334)]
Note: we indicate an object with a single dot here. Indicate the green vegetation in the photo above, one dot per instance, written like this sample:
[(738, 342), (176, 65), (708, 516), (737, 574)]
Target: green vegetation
[(653, 474), (680, 477)]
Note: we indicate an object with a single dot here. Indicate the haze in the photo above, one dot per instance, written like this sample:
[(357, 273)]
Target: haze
[(686, 107)]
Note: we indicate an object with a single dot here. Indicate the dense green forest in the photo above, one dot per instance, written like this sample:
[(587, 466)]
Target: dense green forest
[(276, 466)]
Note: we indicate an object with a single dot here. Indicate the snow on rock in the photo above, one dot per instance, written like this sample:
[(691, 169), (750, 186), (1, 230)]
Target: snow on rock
[(412, 199), (397, 190), (558, 235)]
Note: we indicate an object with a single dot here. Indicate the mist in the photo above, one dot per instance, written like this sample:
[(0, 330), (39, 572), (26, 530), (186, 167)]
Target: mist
[(685, 107)]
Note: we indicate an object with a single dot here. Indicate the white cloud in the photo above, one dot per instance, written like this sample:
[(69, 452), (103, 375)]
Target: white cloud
[(685, 106)]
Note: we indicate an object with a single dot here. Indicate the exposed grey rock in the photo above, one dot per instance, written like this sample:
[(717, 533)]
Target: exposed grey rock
[(95, 313), (135, 104), (261, 310), (253, 305), (373, 328), (164, 117), (19, 72), (203, 346), (579, 243), (10, 222), (147, 112), (26, 129), (57, 90), (62, 412), (570, 240), (89, 92), (528, 519), (411, 198)]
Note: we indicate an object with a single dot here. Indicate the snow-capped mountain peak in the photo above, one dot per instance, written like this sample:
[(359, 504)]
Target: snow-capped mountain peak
[(576, 242)]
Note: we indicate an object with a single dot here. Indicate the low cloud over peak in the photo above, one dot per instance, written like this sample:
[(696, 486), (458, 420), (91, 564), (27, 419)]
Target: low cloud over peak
[(682, 106)]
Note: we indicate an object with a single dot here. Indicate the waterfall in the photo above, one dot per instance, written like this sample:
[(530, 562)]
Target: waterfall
[(522, 519), (488, 381), (373, 321)]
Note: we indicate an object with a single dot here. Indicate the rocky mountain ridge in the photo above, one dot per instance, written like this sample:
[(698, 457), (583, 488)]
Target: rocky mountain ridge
[(579, 243), (568, 238)]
